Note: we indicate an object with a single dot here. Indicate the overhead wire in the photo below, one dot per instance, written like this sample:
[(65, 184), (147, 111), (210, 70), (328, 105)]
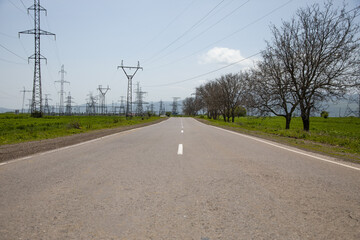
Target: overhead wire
[(170, 23), (12, 52), (228, 36), (231, 64), (204, 74), (204, 31), (186, 32)]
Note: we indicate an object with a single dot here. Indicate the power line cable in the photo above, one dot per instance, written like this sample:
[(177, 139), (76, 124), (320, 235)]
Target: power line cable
[(17, 7), (186, 32), (12, 52), (6, 35), (228, 36), (231, 64), (204, 74), (170, 23), (204, 31), (23, 4), (56, 45), (4, 60)]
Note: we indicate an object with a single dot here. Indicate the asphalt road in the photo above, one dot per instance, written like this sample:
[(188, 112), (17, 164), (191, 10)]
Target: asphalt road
[(141, 184)]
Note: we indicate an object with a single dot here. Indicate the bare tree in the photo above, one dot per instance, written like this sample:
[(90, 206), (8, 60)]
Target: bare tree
[(189, 106), (208, 94), (319, 50), (271, 88), (232, 91)]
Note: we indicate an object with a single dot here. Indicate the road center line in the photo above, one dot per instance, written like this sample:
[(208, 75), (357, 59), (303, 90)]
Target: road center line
[(180, 149), (286, 148)]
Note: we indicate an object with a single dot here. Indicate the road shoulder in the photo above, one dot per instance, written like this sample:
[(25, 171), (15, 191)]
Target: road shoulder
[(14, 151)]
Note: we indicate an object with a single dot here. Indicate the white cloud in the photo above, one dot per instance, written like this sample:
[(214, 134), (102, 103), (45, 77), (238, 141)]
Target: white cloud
[(225, 56)]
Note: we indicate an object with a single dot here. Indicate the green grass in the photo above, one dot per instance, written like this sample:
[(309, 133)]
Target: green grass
[(339, 137), (22, 128)]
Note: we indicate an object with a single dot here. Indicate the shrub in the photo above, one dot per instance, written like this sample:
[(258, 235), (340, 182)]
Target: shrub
[(74, 124), (325, 114)]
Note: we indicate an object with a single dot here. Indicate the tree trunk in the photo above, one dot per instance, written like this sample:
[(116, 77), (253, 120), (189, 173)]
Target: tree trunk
[(306, 123), (288, 120)]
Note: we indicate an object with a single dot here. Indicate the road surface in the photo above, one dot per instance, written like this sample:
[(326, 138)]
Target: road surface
[(179, 179)]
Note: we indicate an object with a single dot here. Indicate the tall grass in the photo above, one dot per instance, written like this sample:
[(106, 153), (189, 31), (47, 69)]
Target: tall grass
[(343, 132), (22, 127)]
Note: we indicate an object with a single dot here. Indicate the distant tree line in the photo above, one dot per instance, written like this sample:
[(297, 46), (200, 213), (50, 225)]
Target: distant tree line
[(311, 59)]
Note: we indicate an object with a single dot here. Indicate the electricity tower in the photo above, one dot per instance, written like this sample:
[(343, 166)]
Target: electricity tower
[(36, 103), (175, 106), (68, 105), (47, 107), (129, 89), (62, 81), (139, 100), (122, 106), (24, 91), (102, 93), (351, 111), (91, 105), (161, 108)]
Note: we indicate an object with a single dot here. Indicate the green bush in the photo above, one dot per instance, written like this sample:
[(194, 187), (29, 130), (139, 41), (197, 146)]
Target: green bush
[(324, 114)]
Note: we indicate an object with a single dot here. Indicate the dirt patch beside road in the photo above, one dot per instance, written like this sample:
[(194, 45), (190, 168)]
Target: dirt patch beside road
[(13, 151)]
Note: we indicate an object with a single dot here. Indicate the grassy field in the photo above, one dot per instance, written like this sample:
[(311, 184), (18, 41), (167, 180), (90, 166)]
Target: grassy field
[(339, 137), (21, 128)]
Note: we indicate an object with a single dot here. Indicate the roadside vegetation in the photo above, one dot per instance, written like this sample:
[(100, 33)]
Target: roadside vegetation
[(21, 128), (311, 60), (338, 137)]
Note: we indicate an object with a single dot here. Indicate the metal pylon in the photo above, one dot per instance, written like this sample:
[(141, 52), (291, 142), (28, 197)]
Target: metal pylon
[(36, 103), (129, 89)]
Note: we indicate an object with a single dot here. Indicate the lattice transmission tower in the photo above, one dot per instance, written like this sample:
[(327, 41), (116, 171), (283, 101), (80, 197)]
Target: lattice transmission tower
[(102, 103), (175, 106), (161, 108), (68, 109), (23, 102), (36, 103), (47, 110), (91, 105), (139, 100), (129, 89), (353, 106), (62, 92), (122, 106)]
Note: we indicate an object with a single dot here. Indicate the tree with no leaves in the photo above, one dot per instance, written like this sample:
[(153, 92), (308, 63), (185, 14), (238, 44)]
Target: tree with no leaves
[(232, 91), (318, 50), (271, 88)]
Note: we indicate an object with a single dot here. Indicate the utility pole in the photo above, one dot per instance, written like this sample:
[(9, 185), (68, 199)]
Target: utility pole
[(175, 106), (24, 91), (102, 92), (129, 89), (62, 81), (36, 103)]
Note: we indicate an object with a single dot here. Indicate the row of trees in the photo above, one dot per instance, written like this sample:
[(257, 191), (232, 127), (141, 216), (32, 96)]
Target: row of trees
[(312, 59)]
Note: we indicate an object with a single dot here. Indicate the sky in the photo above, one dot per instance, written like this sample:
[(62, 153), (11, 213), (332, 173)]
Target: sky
[(180, 44)]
